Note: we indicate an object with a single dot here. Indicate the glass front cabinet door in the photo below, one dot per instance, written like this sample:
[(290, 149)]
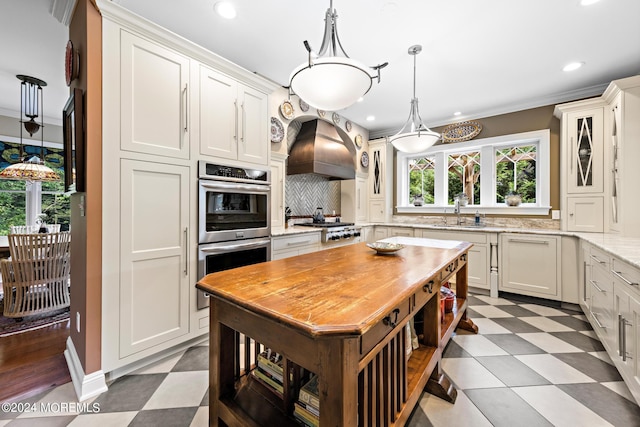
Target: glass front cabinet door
[(585, 152)]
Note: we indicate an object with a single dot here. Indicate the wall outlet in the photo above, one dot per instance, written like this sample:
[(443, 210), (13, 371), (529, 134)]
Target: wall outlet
[(78, 321), (555, 214)]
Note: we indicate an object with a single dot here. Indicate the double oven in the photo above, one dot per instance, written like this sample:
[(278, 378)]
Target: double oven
[(234, 219)]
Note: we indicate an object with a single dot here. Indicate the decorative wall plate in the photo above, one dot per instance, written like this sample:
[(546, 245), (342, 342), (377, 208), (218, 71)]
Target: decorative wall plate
[(347, 126), (71, 63), (364, 159), (277, 130), (358, 141), (304, 107), (336, 118), (463, 131), (286, 109), (321, 113)]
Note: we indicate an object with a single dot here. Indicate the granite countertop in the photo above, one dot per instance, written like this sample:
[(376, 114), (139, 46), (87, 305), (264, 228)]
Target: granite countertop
[(293, 230)]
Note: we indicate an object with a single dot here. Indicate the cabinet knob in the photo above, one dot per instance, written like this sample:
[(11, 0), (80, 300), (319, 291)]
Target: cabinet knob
[(428, 287), (392, 323)]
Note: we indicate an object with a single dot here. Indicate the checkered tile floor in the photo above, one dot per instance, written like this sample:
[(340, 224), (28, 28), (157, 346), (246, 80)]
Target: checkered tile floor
[(531, 365)]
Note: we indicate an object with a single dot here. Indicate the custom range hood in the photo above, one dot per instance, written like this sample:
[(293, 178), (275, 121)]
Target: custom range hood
[(319, 149)]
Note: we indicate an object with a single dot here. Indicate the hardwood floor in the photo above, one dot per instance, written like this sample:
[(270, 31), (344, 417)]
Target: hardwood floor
[(32, 362)]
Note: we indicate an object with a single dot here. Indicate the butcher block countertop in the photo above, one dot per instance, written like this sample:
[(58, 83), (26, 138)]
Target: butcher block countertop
[(339, 292)]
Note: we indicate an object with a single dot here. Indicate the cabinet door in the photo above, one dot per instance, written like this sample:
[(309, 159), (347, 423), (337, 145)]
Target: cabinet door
[(376, 210), (585, 214), (376, 172), (585, 154), (253, 126), (380, 233), (361, 199), (530, 265), (277, 193), (400, 231), (154, 98), (615, 130), (154, 279), (478, 269), (218, 115), (602, 305)]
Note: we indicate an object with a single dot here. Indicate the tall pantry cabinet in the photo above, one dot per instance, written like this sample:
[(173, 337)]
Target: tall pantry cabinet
[(161, 115), (622, 113), (582, 165)]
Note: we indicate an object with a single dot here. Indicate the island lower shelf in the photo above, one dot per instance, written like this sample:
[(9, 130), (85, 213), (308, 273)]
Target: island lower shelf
[(358, 385)]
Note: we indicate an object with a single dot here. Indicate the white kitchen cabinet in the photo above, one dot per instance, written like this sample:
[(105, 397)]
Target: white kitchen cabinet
[(278, 173), (292, 245), (585, 214), (479, 265), (582, 188), (233, 119), (400, 231), (380, 233), (622, 134), (154, 94), (380, 173), (353, 199), (155, 284), (531, 265)]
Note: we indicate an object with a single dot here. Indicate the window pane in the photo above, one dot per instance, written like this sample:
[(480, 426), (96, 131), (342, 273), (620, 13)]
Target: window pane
[(421, 180), (516, 172), (56, 209), (464, 176), (12, 208)]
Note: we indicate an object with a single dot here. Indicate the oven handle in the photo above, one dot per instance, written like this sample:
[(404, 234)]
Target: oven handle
[(234, 247), (217, 185)]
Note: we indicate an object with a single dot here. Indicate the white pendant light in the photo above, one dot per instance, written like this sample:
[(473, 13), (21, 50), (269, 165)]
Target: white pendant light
[(414, 137), (330, 80)]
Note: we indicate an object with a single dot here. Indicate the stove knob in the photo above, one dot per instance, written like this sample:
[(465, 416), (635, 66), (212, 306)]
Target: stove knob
[(356, 234), (334, 237), (347, 235)]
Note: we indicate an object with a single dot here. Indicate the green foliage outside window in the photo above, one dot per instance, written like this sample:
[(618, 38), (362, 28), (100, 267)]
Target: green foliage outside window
[(55, 205), (516, 173)]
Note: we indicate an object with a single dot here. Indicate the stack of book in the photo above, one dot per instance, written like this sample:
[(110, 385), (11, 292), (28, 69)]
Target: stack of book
[(307, 408), (269, 371)]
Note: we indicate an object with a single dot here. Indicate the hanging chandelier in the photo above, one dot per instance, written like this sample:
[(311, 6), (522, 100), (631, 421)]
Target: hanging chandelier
[(31, 167), (414, 137), (330, 80)]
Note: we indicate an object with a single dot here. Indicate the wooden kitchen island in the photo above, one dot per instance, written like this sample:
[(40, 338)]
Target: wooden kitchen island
[(341, 314)]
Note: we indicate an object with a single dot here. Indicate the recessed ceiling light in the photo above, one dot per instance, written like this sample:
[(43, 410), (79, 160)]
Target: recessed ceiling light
[(225, 9), (588, 2), (371, 118), (573, 66), (360, 99), (457, 113)]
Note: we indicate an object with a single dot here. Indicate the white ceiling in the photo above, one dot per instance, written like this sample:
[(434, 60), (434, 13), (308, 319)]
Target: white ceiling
[(479, 57)]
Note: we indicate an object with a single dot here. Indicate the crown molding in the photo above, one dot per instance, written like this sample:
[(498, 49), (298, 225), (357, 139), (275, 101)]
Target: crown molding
[(62, 10)]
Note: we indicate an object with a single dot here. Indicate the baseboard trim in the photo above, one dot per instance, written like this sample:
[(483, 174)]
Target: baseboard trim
[(86, 386)]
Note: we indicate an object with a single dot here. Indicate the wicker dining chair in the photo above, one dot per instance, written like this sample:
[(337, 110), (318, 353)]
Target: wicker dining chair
[(36, 278)]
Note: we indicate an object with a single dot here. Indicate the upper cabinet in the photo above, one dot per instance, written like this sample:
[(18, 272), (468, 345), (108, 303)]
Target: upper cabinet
[(582, 165), (154, 91), (380, 179), (233, 119), (622, 136)]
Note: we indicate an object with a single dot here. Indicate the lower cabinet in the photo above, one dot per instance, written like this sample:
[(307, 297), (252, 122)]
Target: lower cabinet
[(298, 244), (613, 309), (154, 283), (531, 265), (479, 264)]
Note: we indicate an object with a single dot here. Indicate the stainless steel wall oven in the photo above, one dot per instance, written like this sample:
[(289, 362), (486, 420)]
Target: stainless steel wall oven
[(234, 219)]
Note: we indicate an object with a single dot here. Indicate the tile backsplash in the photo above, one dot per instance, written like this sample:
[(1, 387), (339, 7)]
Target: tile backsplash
[(305, 192)]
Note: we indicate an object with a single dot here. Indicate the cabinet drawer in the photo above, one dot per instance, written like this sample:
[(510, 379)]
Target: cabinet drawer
[(624, 273), (602, 300), (296, 241), (598, 257), (473, 237), (385, 326)]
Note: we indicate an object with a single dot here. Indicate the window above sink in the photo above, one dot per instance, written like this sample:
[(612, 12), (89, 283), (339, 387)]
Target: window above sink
[(487, 170)]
